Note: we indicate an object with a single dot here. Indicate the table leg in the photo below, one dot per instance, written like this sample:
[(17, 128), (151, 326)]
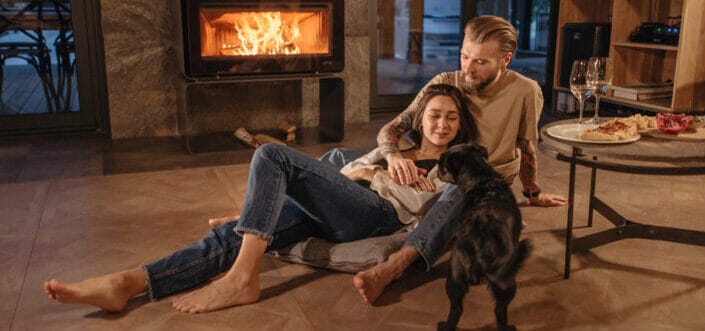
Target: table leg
[(593, 179), (626, 229), (569, 227)]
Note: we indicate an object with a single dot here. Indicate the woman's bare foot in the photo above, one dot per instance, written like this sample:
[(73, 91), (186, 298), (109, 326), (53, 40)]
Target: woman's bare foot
[(372, 282), (227, 291), (216, 222), (109, 292), (239, 286)]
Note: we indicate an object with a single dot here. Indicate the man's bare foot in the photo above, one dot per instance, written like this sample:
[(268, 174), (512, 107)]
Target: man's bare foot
[(216, 222), (109, 292), (372, 282), (228, 291)]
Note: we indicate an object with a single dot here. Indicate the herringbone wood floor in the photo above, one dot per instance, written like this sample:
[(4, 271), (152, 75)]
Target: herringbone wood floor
[(73, 227)]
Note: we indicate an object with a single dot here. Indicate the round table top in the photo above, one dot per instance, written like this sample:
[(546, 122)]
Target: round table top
[(646, 151)]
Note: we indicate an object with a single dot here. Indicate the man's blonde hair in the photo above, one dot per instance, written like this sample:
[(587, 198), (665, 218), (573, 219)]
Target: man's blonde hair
[(487, 27)]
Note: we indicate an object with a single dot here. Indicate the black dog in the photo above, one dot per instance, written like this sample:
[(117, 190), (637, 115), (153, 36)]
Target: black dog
[(486, 243)]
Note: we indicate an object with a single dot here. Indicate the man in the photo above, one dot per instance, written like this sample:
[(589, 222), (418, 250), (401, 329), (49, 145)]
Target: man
[(506, 107)]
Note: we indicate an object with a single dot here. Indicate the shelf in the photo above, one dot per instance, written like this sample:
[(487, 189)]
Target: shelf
[(669, 48), (657, 105), (643, 62)]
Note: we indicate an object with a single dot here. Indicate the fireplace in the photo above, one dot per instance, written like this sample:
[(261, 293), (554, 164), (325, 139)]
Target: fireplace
[(233, 38), (248, 64)]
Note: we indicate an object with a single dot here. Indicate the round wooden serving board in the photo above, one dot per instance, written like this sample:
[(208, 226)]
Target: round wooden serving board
[(696, 135)]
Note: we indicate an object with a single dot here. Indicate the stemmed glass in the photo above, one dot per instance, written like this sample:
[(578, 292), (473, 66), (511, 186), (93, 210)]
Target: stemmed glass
[(579, 85), (599, 78)]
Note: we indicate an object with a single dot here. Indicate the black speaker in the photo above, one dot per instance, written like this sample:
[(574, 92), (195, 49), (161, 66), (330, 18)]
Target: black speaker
[(580, 42)]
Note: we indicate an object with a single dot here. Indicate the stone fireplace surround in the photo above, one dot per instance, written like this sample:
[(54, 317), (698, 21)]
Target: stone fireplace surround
[(143, 74)]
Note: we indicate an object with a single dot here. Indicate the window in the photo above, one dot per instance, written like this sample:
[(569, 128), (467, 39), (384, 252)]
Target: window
[(531, 19), (413, 40)]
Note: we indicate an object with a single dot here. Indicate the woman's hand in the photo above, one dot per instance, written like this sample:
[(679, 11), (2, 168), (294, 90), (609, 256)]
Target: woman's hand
[(403, 171), (424, 185)]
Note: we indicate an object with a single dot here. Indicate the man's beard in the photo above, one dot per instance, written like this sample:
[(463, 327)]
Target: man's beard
[(479, 86)]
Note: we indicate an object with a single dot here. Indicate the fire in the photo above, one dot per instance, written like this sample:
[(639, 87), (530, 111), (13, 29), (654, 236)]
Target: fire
[(249, 33), (264, 33)]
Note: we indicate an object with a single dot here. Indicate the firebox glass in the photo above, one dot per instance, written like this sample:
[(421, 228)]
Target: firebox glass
[(227, 32)]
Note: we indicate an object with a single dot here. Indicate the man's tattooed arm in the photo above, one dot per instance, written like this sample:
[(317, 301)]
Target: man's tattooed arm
[(527, 170), (389, 135)]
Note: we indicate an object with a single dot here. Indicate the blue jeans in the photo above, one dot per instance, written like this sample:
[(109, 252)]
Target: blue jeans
[(341, 156), (290, 197), (432, 236), (433, 233)]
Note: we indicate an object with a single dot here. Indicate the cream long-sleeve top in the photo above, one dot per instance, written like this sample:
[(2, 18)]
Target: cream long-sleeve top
[(410, 205)]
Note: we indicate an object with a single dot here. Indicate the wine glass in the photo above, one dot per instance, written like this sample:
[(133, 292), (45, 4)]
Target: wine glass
[(599, 78), (579, 85)]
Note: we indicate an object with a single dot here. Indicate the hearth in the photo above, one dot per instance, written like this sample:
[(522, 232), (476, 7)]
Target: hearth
[(245, 63), (265, 37)]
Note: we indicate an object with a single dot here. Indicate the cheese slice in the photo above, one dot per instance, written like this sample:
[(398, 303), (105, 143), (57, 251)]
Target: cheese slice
[(597, 136)]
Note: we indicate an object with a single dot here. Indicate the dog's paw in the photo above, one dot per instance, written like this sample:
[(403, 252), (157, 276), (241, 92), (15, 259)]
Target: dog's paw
[(509, 328)]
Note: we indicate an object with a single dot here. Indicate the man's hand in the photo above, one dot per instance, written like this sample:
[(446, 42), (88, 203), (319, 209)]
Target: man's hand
[(403, 171), (547, 200), (363, 174)]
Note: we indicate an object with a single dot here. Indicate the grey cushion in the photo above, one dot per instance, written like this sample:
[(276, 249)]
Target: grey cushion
[(349, 257)]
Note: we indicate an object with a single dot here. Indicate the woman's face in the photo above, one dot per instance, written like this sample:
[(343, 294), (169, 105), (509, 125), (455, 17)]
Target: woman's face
[(441, 121)]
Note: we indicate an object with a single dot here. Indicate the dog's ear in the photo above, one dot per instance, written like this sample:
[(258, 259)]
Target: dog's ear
[(451, 163), (482, 151)]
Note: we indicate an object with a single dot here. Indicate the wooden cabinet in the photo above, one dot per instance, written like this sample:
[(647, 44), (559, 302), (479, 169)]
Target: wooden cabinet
[(683, 64)]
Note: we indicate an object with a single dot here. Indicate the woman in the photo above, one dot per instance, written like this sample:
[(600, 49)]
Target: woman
[(290, 197)]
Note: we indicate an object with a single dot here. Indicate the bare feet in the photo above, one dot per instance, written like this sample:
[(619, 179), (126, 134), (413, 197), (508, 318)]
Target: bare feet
[(109, 292), (239, 286), (224, 292), (216, 222), (372, 282)]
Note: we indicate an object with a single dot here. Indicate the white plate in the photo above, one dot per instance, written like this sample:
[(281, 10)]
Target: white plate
[(570, 132)]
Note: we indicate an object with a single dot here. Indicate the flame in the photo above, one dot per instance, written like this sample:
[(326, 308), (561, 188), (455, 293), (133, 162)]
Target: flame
[(249, 33), (264, 33)]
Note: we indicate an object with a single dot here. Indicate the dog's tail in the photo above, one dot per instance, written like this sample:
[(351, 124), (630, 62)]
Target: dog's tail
[(512, 266), (521, 253)]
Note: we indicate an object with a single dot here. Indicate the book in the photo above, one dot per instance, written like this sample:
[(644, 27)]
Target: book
[(643, 91), (643, 88), (641, 96)]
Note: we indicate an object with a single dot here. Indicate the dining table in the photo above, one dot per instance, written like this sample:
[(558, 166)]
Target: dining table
[(646, 154)]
